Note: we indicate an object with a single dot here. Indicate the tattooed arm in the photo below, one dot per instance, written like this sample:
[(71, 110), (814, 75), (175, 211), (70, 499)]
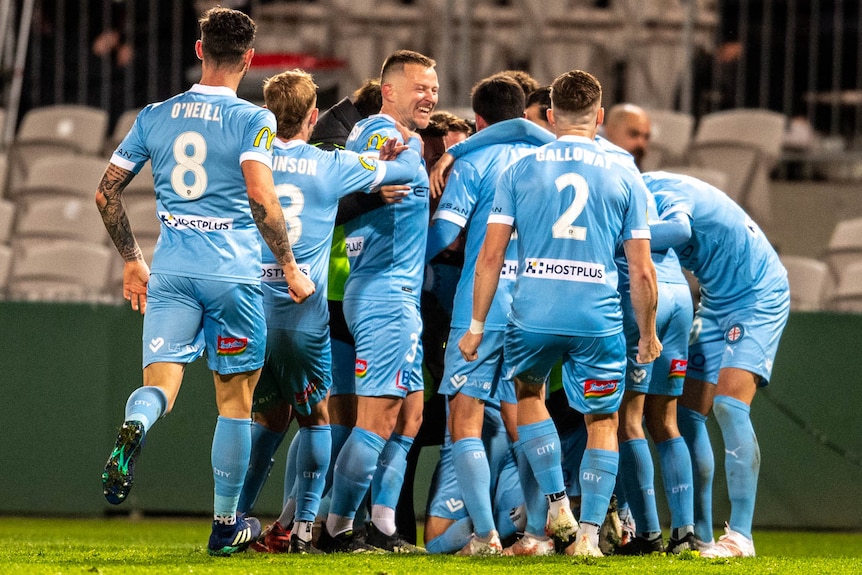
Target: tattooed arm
[(267, 214), (109, 200)]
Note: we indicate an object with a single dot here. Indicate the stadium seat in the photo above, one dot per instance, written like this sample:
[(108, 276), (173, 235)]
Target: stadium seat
[(7, 219), (845, 246), (49, 217), (54, 131), (142, 184), (745, 144), (4, 172), (60, 270), (847, 296), (809, 280), (61, 176), (5, 266), (670, 137)]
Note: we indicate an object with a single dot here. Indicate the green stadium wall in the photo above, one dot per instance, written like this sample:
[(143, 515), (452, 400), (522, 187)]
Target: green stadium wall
[(67, 370)]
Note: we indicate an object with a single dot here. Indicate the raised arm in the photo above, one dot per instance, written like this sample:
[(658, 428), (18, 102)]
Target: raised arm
[(109, 200), (269, 218)]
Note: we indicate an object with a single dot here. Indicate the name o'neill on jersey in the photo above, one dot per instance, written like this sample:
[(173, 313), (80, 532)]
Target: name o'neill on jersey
[(568, 270), (202, 110), (354, 245)]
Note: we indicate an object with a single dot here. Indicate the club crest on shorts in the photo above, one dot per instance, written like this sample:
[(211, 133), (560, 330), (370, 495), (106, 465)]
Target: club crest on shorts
[(734, 334)]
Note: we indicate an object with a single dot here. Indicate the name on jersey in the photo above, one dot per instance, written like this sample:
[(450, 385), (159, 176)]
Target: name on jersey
[(294, 165), (574, 154), (354, 245), (201, 110), (568, 270), (196, 222), (272, 273)]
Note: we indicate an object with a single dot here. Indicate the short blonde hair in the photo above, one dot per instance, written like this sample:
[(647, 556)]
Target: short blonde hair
[(290, 95)]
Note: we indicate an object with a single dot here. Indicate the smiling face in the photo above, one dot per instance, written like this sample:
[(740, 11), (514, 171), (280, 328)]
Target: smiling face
[(410, 96)]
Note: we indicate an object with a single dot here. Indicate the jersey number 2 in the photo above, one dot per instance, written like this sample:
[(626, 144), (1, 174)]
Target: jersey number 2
[(563, 227)]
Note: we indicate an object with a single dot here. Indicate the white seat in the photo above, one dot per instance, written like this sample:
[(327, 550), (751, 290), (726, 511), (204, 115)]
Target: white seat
[(65, 175), (59, 217), (141, 211), (67, 129), (745, 144), (809, 280), (670, 138), (59, 270), (7, 219), (847, 296), (845, 246)]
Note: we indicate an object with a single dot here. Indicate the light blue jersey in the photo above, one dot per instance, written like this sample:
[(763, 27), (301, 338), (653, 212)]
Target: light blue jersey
[(207, 230), (386, 246), (309, 183), (467, 202), (570, 204), (727, 252)]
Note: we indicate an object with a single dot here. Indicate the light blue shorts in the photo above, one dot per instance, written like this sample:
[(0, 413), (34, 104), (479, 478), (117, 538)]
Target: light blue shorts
[(665, 376), (388, 347), (473, 378), (298, 369), (593, 367), (743, 338), (187, 316)]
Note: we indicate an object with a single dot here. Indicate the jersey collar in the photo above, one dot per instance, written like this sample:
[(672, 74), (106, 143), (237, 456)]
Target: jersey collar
[(213, 90)]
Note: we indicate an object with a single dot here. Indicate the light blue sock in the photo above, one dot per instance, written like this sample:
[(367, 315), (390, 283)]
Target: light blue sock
[(638, 475), (146, 404), (453, 539), (534, 500), (509, 496), (354, 468), (692, 426), (542, 448), (676, 474), (290, 470), (573, 443), (474, 480), (389, 476), (741, 460), (339, 434), (264, 444), (312, 461), (230, 452), (598, 477)]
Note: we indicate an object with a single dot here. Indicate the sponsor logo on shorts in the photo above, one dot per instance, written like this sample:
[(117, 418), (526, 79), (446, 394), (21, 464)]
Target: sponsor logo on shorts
[(637, 374), (454, 504), (354, 245), (678, 367), (232, 345), (361, 367), (600, 388), (398, 384), (458, 380), (302, 397), (734, 334), (273, 273)]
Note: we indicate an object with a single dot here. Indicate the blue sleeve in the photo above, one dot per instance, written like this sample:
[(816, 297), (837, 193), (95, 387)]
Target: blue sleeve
[(670, 232), (403, 168), (440, 235), (505, 132)]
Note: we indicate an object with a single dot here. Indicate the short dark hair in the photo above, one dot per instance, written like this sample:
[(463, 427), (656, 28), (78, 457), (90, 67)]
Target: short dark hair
[(540, 96), (498, 98), (523, 78), (226, 35), (576, 93), (397, 60), (367, 99)]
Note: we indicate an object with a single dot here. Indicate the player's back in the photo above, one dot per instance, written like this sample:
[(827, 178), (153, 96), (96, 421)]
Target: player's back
[(386, 246), (196, 142), (571, 205), (470, 192), (727, 252)]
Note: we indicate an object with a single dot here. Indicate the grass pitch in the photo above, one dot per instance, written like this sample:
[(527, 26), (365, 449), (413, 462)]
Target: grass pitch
[(121, 546)]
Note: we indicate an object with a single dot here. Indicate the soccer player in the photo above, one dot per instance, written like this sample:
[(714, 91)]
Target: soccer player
[(569, 203), (652, 390), (381, 304), (309, 182), (467, 198), (744, 305), (211, 155)]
